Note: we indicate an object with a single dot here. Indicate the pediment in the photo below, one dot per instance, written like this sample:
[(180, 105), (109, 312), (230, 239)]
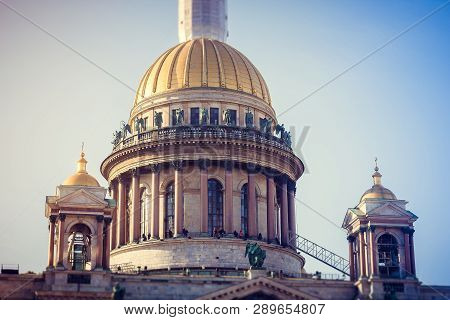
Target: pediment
[(390, 210), (260, 288), (81, 198), (350, 216)]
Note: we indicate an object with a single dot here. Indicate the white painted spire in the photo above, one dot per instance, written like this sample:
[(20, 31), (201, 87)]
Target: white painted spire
[(202, 18)]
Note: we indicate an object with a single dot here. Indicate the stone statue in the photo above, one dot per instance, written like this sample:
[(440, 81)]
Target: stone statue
[(204, 116), (125, 128), (179, 117), (117, 135), (118, 292), (139, 125), (227, 117), (249, 119), (279, 129), (256, 255), (266, 125), (158, 118), (287, 139)]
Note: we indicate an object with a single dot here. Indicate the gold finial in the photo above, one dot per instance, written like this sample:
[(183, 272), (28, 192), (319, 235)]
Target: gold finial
[(81, 164), (376, 176)]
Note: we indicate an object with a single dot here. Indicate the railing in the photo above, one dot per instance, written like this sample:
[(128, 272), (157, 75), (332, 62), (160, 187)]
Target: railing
[(320, 253), (198, 132)]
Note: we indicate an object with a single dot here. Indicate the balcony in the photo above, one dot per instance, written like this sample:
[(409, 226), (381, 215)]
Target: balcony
[(202, 132)]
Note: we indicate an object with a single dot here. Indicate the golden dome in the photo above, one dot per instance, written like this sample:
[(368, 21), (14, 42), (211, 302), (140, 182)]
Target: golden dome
[(81, 177), (202, 63), (378, 191)]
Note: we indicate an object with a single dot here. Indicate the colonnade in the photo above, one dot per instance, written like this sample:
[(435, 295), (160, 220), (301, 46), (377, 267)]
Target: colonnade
[(278, 186)]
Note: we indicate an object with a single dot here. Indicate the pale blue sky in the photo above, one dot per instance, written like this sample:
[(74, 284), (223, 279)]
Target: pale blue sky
[(395, 105)]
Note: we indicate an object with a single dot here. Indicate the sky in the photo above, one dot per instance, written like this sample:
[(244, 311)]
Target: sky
[(393, 105)]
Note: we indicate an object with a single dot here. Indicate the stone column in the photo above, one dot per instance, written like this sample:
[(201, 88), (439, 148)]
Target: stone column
[(351, 256), (373, 252), (99, 263), (51, 244), (291, 208), (362, 252), (154, 224), (113, 228), (284, 212), (121, 212), (229, 197), (270, 208), (135, 217), (411, 244), (203, 163), (407, 252), (179, 206), (60, 263), (251, 189), (106, 249)]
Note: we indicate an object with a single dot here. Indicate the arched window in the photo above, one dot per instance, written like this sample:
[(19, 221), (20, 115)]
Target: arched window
[(144, 217), (244, 208), (80, 247), (215, 206), (169, 217), (388, 262)]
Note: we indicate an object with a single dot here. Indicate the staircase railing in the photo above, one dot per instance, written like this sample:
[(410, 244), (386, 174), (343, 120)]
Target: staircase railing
[(319, 253)]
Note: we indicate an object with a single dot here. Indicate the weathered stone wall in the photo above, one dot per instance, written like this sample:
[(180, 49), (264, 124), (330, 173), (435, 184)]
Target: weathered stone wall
[(207, 252)]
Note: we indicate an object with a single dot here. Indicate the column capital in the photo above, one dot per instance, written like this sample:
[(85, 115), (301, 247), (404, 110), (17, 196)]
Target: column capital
[(154, 167), (62, 216), (291, 185), (351, 238), (121, 178), (252, 168), (100, 218), (108, 220), (52, 219), (362, 229), (228, 164), (177, 164), (135, 172), (408, 230), (372, 228), (203, 164)]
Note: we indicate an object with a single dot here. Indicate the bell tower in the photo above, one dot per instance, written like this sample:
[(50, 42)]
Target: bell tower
[(381, 244), (79, 219)]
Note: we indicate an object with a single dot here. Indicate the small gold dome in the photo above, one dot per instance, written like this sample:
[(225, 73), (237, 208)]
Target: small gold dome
[(378, 191), (81, 177), (202, 63)]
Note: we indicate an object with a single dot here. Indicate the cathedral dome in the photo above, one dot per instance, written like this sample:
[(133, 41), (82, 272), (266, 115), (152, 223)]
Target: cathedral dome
[(202, 63), (378, 191), (81, 177)]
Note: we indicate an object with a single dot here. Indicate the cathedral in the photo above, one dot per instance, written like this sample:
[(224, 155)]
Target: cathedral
[(201, 195)]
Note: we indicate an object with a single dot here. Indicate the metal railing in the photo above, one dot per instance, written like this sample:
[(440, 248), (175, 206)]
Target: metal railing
[(320, 253), (199, 132)]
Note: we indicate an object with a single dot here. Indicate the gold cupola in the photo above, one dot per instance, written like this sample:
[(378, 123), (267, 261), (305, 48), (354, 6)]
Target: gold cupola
[(202, 63), (81, 176), (378, 191)]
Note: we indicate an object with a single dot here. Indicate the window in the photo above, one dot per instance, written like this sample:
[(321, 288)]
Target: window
[(169, 211), (144, 220), (388, 262), (174, 117), (195, 116), (233, 117), (214, 116), (145, 123), (215, 206), (244, 209)]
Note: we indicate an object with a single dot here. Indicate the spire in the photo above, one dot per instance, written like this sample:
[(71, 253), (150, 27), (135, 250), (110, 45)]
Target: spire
[(376, 175), (81, 164), (202, 19)]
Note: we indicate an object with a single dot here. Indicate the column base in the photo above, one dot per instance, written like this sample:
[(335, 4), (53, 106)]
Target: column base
[(256, 273)]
